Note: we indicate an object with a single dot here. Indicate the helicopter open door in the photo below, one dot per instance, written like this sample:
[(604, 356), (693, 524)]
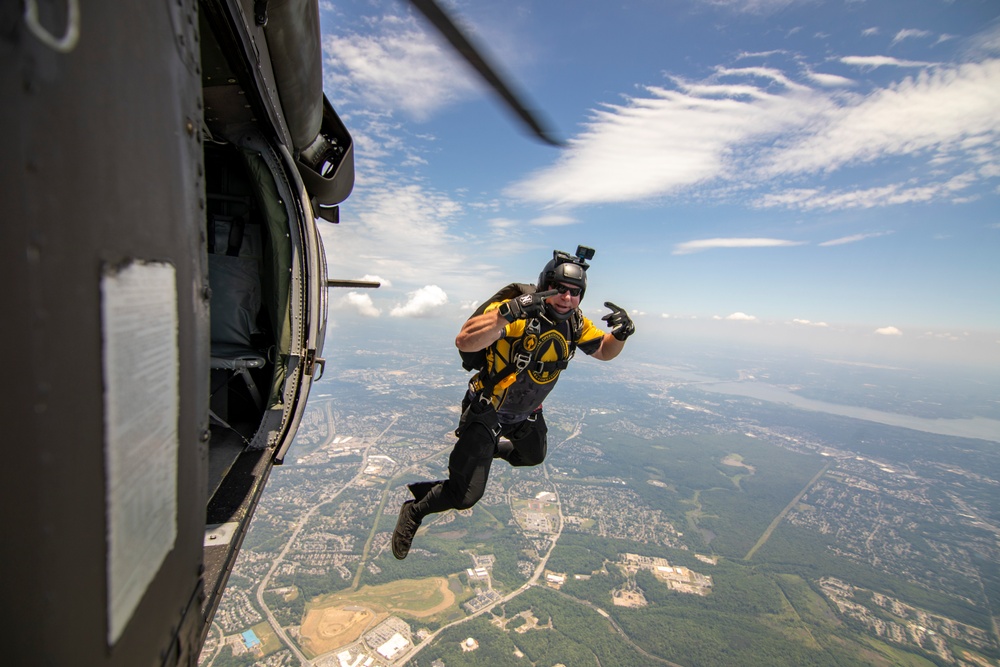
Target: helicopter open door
[(164, 165), (167, 307)]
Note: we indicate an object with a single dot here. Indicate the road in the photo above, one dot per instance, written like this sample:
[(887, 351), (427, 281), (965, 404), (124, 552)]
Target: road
[(784, 512)]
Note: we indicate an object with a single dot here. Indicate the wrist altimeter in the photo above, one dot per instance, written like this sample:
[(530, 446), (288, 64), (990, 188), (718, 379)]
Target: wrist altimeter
[(505, 311)]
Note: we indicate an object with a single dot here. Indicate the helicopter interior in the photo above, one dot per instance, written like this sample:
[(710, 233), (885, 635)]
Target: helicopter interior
[(248, 255)]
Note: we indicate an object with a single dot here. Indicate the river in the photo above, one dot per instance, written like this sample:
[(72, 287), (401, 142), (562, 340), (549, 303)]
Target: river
[(975, 427)]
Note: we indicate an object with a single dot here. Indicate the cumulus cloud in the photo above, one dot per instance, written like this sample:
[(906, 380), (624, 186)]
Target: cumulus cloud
[(741, 317), (888, 331), (421, 303), (689, 247), (384, 282), (362, 304), (402, 231), (809, 323)]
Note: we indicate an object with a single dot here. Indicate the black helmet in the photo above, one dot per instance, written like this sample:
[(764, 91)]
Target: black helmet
[(566, 269)]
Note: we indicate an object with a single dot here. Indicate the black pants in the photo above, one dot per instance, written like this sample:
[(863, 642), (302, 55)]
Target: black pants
[(470, 461)]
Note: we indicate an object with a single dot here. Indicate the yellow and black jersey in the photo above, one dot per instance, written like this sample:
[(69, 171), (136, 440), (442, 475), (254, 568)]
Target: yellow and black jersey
[(549, 345)]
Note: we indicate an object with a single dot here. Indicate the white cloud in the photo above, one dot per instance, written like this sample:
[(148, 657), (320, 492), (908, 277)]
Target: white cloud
[(854, 238), (808, 323), (888, 331), (554, 220), (398, 67), (829, 80), (504, 224), (909, 33), (662, 143), (938, 110), (689, 247), (870, 32), (741, 317), (401, 233), (421, 303), (871, 62), (362, 304), (757, 127), (897, 193), (754, 6), (384, 282)]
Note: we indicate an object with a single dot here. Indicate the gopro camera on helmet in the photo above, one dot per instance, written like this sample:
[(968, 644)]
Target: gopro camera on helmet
[(584, 253)]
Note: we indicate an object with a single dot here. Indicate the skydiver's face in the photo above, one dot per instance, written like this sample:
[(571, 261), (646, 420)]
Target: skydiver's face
[(566, 300)]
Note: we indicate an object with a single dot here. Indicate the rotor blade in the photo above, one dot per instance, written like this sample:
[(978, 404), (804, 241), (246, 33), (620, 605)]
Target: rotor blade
[(440, 20)]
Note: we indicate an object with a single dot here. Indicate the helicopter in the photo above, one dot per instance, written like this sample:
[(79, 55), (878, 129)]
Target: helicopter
[(166, 168)]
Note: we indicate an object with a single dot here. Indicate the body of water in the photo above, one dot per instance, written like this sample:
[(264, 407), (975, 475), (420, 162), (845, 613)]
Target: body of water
[(975, 427)]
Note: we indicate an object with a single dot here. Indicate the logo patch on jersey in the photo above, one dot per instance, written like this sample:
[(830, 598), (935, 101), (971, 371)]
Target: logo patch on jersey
[(530, 343), (553, 347)]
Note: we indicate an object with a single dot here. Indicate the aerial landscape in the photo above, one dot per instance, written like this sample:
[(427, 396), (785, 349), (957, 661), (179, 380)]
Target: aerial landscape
[(670, 524), (795, 459)]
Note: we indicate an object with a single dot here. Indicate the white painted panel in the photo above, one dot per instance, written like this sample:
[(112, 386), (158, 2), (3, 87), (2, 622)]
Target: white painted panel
[(141, 403)]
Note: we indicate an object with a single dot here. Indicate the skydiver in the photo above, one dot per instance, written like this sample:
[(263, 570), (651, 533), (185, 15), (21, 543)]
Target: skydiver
[(527, 340)]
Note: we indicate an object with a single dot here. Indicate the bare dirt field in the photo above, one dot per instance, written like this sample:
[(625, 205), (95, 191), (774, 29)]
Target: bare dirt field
[(342, 618)]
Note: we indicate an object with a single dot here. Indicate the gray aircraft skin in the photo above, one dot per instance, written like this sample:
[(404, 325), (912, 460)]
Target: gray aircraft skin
[(165, 168)]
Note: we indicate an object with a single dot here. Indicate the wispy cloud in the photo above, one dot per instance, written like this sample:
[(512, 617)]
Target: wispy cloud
[(854, 238), (829, 80), (554, 220), (897, 193), (754, 6), (871, 62), (939, 110), (809, 323), (397, 67), (689, 247), (909, 33), (756, 127)]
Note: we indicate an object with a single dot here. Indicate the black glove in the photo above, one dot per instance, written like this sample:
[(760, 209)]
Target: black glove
[(619, 321), (525, 306)]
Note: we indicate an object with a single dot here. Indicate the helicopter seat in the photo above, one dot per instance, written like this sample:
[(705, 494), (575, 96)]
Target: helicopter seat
[(234, 278)]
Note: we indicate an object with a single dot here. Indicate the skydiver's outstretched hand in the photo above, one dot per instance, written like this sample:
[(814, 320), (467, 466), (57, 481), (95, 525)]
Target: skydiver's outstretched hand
[(619, 321), (528, 305)]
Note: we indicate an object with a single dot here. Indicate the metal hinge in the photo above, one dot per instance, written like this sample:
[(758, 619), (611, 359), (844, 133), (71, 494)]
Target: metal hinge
[(312, 362)]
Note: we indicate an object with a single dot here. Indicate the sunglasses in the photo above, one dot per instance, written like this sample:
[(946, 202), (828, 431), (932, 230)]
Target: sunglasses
[(573, 291)]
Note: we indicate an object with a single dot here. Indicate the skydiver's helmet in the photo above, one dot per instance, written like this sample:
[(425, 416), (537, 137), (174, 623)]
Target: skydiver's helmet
[(563, 268)]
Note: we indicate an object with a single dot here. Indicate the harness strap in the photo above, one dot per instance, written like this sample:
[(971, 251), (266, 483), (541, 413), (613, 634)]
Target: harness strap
[(483, 386)]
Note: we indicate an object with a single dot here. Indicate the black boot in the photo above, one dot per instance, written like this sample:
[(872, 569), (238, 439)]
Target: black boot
[(406, 527)]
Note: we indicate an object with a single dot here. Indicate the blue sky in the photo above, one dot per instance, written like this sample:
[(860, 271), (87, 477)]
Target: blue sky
[(816, 173)]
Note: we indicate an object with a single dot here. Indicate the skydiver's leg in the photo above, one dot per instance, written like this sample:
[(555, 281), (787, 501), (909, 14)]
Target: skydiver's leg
[(468, 472), (528, 442)]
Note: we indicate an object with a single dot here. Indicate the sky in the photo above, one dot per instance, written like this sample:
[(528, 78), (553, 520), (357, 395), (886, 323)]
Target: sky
[(815, 173)]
